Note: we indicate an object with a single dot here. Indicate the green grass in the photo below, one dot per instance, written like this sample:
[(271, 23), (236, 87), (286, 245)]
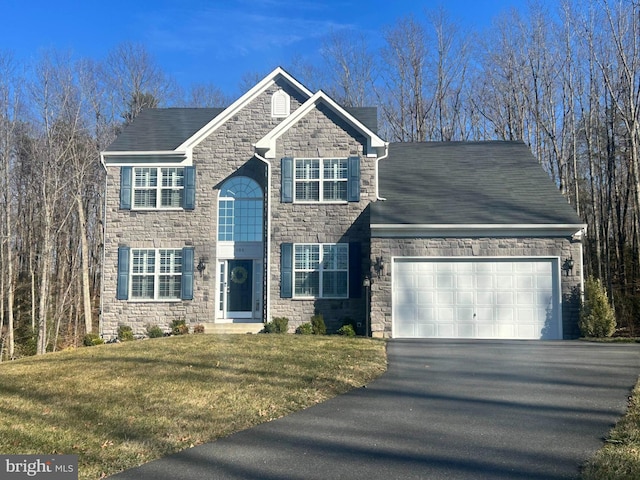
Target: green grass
[(619, 459), (118, 406)]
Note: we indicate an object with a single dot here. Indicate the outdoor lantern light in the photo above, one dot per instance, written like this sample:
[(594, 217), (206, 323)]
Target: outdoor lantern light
[(568, 265), (379, 265), (201, 266)]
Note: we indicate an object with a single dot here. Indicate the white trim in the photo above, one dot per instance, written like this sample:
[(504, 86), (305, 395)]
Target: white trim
[(556, 273), (239, 104), (267, 144), (473, 230), (121, 159)]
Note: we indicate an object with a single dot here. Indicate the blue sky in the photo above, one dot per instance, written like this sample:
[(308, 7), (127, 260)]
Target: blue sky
[(215, 41)]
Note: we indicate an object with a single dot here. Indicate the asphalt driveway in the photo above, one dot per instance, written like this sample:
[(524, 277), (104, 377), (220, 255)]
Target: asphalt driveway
[(444, 409)]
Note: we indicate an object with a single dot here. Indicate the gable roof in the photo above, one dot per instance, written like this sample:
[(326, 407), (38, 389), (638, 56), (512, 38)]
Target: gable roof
[(446, 184), (266, 145), (162, 129)]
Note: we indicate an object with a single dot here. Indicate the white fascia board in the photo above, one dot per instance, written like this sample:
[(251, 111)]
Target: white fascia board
[(267, 144), (149, 157), (240, 103), (475, 230)]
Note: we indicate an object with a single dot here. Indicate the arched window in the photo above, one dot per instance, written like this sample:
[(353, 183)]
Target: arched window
[(240, 210)]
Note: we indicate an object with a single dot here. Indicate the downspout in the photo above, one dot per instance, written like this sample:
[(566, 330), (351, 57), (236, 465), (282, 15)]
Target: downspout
[(386, 154), (267, 294), (104, 248)]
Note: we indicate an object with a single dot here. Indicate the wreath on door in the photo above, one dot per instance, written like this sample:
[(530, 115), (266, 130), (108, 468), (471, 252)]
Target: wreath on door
[(239, 275)]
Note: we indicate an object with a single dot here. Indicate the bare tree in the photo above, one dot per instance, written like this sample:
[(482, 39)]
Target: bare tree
[(135, 80), (350, 68), (9, 112)]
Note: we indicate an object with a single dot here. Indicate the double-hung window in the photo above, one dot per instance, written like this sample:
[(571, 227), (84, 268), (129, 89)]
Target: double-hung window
[(156, 274), (321, 179), (158, 187), (321, 270)]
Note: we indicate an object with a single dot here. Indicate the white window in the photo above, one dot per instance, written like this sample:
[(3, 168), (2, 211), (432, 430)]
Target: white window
[(240, 208), (280, 104), (321, 270), (158, 187), (321, 179), (156, 274)]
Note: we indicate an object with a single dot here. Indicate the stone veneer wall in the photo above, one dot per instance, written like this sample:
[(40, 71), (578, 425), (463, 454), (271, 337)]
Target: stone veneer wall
[(381, 307), (227, 151), (320, 134)]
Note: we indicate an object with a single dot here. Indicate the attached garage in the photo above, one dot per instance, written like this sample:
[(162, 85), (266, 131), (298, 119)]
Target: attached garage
[(473, 240), (489, 298)]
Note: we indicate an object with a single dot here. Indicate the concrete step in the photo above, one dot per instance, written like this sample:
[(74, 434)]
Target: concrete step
[(233, 328)]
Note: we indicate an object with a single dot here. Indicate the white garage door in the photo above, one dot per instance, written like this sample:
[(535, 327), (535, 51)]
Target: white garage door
[(489, 298)]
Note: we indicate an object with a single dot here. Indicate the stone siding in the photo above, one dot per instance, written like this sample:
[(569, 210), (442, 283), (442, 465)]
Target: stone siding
[(320, 134), (388, 248), (226, 152)]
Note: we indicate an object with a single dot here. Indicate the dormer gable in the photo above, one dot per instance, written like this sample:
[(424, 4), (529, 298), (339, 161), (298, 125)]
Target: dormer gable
[(244, 100), (375, 146)]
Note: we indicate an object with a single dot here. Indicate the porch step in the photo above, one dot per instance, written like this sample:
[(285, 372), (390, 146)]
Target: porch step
[(233, 328)]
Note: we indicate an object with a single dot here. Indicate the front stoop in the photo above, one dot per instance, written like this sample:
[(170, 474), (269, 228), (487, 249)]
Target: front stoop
[(233, 328)]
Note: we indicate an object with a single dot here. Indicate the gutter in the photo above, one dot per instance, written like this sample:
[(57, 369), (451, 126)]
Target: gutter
[(386, 154)]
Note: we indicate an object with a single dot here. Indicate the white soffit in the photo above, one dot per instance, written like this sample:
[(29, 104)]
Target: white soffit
[(476, 230)]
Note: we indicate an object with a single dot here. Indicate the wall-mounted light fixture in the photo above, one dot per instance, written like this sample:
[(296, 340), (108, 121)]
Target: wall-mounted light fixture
[(201, 266), (568, 265), (379, 266)]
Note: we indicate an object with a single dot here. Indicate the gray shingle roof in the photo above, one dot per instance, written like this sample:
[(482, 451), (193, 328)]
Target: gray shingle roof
[(162, 129), (368, 116), (462, 183)]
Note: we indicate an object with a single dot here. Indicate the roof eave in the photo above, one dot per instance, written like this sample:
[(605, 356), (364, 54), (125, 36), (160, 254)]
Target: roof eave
[(388, 230), (132, 157)]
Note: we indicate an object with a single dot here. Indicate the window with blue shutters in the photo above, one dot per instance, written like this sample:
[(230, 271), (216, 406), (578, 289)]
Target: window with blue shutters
[(149, 188), (317, 270), (320, 180), (146, 274)]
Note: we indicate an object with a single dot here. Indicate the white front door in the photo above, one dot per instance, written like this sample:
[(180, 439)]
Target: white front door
[(239, 291)]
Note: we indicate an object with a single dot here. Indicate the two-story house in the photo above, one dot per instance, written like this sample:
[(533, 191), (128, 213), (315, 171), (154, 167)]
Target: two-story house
[(286, 204)]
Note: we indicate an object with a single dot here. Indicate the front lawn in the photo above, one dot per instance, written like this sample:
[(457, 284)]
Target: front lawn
[(118, 406), (619, 459)]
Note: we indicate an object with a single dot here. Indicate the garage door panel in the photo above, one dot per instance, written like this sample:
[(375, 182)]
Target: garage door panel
[(476, 298)]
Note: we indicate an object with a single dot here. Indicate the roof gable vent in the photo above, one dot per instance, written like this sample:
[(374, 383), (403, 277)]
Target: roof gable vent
[(280, 104)]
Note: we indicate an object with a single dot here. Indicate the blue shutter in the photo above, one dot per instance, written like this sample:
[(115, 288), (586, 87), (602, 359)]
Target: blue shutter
[(286, 270), (126, 180), (186, 288), (122, 290), (353, 179), (355, 270), (287, 180), (189, 202)]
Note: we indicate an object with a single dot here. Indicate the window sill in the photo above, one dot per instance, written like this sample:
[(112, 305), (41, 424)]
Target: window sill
[(317, 202), (157, 300), (320, 298)]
